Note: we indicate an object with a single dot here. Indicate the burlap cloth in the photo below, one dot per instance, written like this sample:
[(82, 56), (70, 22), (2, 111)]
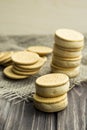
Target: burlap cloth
[(22, 89)]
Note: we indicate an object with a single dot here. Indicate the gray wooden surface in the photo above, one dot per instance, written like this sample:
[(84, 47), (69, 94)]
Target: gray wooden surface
[(23, 116)]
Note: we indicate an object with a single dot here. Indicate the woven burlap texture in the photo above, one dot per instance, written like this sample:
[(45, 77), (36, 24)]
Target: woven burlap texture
[(23, 89)]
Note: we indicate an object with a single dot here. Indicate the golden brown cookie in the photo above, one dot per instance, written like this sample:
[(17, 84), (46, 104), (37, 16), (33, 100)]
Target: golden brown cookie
[(50, 80), (57, 61), (6, 56), (52, 91), (35, 66), (1, 54), (71, 72), (69, 35), (25, 58), (66, 54), (67, 59), (9, 73), (50, 104), (24, 73), (41, 50), (69, 49)]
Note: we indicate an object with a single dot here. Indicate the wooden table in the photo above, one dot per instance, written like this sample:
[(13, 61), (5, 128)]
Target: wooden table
[(23, 116)]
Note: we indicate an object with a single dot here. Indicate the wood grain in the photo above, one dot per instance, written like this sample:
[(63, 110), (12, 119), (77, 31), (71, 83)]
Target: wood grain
[(23, 116)]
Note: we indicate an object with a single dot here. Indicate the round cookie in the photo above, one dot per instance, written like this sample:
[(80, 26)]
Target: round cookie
[(65, 63), (35, 66), (6, 61), (67, 59), (52, 91), (69, 35), (71, 72), (6, 56), (50, 80), (65, 54), (68, 49), (49, 100), (24, 73), (1, 54), (70, 45), (9, 73), (50, 104), (41, 50), (23, 70), (25, 57)]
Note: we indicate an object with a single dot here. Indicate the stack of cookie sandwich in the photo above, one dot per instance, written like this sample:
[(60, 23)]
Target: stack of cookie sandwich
[(67, 52), (51, 92), (5, 58), (24, 65)]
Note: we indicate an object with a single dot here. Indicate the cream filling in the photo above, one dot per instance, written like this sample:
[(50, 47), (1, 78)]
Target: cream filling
[(66, 64), (52, 91)]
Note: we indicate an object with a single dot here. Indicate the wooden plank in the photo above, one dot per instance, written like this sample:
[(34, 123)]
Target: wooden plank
[(74, 117), (24, 116), (4, 110)]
